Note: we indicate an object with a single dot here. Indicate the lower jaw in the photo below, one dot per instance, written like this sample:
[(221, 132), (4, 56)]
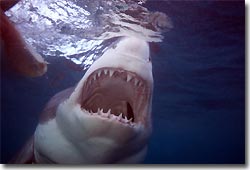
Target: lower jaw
[(101, 114)]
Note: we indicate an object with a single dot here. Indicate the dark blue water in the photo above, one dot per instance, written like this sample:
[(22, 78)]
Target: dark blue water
[(199, 93)]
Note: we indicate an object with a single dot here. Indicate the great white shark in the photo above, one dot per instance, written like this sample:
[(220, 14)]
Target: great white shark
[(105, 118)]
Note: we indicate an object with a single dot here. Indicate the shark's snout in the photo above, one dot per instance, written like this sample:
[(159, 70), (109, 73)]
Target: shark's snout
[(134, 47)]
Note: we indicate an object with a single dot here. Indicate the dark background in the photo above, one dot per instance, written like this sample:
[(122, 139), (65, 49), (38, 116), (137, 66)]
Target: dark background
[(199, 93)]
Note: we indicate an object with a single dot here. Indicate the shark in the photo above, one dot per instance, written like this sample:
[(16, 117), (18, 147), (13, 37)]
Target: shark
[(105, 118)]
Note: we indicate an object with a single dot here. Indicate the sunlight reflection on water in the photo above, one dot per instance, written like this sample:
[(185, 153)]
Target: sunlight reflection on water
[(80, 30)]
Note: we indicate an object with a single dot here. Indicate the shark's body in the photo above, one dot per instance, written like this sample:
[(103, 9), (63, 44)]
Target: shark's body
[(85, 125)]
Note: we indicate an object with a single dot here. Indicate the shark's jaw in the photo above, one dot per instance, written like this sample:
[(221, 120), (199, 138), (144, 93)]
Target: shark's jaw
[(116, 94)]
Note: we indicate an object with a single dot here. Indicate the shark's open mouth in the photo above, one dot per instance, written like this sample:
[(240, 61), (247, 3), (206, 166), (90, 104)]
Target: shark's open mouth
[(117, 94)]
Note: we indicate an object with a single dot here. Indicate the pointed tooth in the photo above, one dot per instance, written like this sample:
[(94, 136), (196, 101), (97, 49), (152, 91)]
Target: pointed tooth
[(108, 113), (129, 77), (98, 110), (101, 110), (130, 120), (120, 117), (105, 71), (136, 81), (99, 73), (111, 72), (94, 77), (126, 119)]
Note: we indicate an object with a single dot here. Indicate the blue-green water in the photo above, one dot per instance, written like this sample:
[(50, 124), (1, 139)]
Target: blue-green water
[(199, 90)]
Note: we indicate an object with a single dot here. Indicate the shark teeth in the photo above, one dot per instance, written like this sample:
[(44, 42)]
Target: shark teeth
[(139, 85), (108, 115), (99, 73), (120, 117), (105, 71), (136, 82), (111, 72), (129, 77)]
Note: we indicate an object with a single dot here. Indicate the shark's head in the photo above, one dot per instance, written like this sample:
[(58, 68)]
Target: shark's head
[(109, 113)]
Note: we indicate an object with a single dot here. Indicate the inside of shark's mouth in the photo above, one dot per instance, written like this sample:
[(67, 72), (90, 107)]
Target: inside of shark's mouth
[(116, 94)]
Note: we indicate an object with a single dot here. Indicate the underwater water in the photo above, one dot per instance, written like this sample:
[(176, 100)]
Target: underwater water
[(199, 88), (199, 93)]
